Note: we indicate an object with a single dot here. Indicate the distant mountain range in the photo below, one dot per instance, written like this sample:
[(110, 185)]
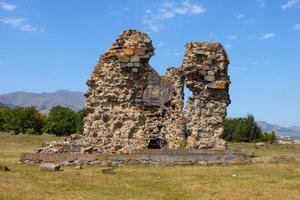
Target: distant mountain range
[(44, 101), (292, 132), (75, 100)]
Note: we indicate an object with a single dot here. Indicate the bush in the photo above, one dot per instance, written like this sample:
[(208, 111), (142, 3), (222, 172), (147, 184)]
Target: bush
[(241, 130), (80, 115), (268, 137), (61, 121), (21, 120), (10, 119), (31, 121)]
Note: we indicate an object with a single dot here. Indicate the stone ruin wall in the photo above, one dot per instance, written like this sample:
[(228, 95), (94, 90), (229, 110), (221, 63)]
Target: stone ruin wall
[(131, 107)]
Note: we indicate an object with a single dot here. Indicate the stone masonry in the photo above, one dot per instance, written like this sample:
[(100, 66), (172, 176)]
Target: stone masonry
[(132, 107)]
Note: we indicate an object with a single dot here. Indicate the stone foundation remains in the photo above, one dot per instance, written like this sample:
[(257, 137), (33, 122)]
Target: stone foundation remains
[(132, 107)]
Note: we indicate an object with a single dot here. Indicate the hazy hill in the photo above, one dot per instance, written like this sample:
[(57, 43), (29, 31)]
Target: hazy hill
[(293, 131), (44, 101)]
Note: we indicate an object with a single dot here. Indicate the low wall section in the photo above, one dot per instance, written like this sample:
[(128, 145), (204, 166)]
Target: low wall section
[(171, 157)]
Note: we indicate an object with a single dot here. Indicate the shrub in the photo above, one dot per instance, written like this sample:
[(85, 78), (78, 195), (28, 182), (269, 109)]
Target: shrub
[(21, 120), (31, 121), (10, 119), (61, 121), (268, 137), (241, 130), (80, 115)]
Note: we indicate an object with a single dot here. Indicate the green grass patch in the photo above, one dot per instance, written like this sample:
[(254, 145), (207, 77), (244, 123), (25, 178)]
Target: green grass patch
[(234, 182)]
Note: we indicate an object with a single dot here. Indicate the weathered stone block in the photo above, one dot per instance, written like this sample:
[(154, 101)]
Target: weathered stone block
[(209, 78), (136, 64), (135, 70), (130, 64), (217, 85), (129, 51), (123, 58), (107, 170), (49, 167), (135, 59)]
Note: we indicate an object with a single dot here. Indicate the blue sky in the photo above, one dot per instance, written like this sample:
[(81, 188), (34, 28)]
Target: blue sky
[(48, 45)]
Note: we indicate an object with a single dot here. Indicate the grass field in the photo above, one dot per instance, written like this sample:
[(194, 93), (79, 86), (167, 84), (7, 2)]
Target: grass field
[(236, 182)]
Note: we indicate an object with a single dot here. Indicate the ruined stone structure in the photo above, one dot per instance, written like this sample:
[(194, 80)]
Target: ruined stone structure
[(132, 107)]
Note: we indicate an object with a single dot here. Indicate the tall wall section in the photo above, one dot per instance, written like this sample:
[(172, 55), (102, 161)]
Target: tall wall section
[(205, 74)]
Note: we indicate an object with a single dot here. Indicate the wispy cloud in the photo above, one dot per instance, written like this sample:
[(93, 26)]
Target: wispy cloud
[(240, 16), (14, 21), (7, 6), (232, 37), (261, 63), (297, 27), (261, 3), (289, 4), (20, 23), (153, 18), (266, 36)]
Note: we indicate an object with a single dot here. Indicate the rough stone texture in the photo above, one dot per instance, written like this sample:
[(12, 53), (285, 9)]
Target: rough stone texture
[(149, 156), (132, 107), (49, 167), (205, 74), (107, 170)]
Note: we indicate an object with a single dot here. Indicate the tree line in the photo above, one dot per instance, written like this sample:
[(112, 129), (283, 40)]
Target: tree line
[(60, 121), (63, 121), (245, 130)]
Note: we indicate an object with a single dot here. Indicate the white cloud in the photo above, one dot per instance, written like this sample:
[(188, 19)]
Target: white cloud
[(261, 63), (14, 21), (28, 27), (19, 23), (266, 36), (240, 16), (167, 10), (261, 3), (297, 27), (289, 4), (232, 37), (7, 6)]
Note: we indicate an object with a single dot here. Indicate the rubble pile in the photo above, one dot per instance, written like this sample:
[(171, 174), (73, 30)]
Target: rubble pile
[(132, 107)]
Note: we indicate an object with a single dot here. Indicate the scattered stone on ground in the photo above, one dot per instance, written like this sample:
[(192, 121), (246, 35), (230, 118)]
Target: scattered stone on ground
[(281, 159), (259, 144), (107, 170), (275, 159), (49, 167), (78, 167)]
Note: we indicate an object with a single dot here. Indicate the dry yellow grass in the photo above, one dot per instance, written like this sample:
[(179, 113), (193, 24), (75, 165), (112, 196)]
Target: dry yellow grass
[(236, 182)]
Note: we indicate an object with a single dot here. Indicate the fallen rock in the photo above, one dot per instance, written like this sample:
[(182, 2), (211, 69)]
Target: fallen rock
[(281, 159), (107, 170), (275, 159), (49, 167), (259, 144), (4, 168), (78, 167)]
